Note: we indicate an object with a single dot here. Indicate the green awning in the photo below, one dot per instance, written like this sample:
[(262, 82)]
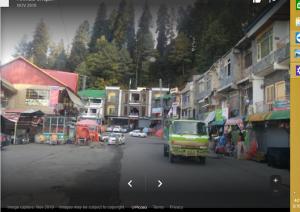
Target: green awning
[(92, 93), (165, 97), (279, 115), (217, 123)]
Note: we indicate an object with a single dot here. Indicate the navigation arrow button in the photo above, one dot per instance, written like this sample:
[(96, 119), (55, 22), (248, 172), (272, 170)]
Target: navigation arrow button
[(159, 183), (129, 183)]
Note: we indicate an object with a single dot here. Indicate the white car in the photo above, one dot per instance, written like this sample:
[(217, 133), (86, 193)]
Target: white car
[(116, 138), (117, 129), (138, 133), (109, 129)]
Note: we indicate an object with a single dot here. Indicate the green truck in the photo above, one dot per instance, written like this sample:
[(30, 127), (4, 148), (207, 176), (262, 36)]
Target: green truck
[(187, 138)]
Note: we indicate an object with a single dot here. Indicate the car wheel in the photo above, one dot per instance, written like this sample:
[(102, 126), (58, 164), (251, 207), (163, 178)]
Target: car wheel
[(171, 157), (166, 150)]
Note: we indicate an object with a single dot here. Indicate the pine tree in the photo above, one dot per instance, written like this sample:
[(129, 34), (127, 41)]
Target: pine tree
[(57, 58), (130, 35), (163, 29), (79, 46), (100, 28), (40, 45), (24, 48), (144, 45)]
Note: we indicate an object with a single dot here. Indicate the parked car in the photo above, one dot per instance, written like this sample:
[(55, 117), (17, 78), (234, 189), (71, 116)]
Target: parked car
[(116, 139), (138, 133), (109, 129), (117, 129), (104, 137), (124, 130)]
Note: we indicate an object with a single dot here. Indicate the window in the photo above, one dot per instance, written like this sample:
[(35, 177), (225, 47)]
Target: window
[(248, 59), (265, 45), (280, 90), (201, 87), (97, 101), (111, 111), (228, 67), (37, 97), (94, 111), (208, 85), (270, 94)]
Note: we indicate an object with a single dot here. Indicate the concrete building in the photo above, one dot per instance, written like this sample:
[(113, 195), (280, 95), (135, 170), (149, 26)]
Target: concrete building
[(94, 101), (53, 92)]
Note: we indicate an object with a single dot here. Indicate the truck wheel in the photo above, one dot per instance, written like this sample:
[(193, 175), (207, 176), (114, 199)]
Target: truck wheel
[(171, 157), (166, 150), (202, 160)]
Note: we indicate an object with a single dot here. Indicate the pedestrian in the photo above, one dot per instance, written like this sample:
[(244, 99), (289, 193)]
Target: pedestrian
[(240, 146)]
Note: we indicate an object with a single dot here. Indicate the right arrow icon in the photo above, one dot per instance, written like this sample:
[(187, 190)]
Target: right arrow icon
[(159, 183)]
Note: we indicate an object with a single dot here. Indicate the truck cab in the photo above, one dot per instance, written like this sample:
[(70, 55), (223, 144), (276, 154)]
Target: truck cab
[(187, 138)]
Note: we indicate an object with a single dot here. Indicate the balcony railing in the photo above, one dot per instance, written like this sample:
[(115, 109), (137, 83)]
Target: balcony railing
[(226, 80), (263, 106), (204, 94), (277, 56)]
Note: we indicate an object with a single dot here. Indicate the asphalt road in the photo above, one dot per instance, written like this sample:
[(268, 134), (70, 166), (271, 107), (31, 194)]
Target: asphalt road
[(68, 175)]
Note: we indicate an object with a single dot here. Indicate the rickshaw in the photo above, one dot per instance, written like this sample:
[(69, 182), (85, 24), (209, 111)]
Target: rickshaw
[(87, 131)]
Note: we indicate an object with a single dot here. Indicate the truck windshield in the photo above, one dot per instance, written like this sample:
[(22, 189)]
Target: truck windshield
[(189, 128)]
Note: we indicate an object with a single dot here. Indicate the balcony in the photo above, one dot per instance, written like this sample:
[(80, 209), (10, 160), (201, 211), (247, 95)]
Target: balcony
[(262, 107), (226, 80), (204, 94), (268, 61)]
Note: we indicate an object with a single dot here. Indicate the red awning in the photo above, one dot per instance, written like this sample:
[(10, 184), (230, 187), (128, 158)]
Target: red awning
[(87, 122), (13, 117), (235, 121)]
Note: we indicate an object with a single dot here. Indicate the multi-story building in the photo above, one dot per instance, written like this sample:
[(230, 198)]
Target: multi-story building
[(93, 104), (50, 91), (253, 76), (187, 101), (135, 105), (7, 91), (113, 103), (174, 111)]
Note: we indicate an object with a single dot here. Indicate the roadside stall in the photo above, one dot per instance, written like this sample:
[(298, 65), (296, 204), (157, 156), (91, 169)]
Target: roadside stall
[(87, 131), (234, 130), (57, 130), (21, 125), (270, 131)]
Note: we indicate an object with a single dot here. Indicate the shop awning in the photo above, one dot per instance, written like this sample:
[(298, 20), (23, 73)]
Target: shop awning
[(75, 99), (217, 123), (210, 117), (235, 121), (278, 115), (257, 117), (92, 93)]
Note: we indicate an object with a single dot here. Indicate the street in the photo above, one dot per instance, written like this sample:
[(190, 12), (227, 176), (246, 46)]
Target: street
[(39, 174)]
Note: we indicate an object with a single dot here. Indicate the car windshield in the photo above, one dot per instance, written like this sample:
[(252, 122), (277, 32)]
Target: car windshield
[(190, 128)]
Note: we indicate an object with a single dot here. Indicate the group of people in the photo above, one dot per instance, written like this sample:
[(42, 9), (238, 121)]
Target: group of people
[(231, 142)]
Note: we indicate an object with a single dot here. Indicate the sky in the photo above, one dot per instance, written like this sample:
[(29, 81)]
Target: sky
[(62, 18)]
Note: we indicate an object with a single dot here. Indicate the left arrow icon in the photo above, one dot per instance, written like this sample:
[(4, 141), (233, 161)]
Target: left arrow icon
[(129, 183)]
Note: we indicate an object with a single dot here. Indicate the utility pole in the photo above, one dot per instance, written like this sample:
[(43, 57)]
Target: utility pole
[(83, 82), (161, 103)]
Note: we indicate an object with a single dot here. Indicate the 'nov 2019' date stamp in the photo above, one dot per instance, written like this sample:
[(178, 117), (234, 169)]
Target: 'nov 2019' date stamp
[(30, 3)]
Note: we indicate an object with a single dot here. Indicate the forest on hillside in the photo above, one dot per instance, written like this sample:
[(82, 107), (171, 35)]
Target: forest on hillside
[(113, 51)]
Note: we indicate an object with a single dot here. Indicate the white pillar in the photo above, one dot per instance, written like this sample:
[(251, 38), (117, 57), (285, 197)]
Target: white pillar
[(258, 90), (150, 103), (120, 101)]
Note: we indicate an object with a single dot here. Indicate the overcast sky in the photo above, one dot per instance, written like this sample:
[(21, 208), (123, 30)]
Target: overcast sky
[(62, 18)]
